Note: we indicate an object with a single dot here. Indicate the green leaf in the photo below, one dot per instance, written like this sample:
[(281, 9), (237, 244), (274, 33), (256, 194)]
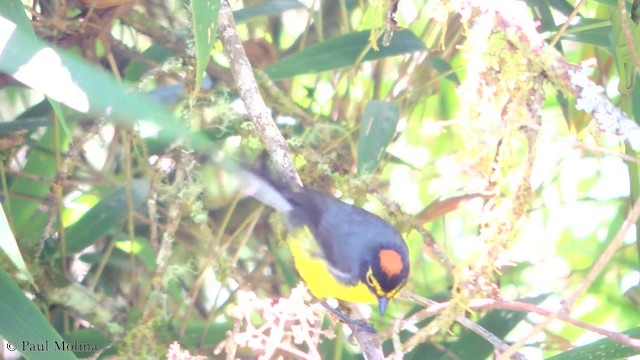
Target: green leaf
[(542, 12), (267, 8), (10, 247), (72, 81), (121, 256), (561, 5), (589, 31), (377, 127), (444, 67), (611, 3), (156, 52), (27, 124), (141, 248), (67, 78), (91, 338), (601, 349), (205, 22), (104, 216), (23, 325), (635, 100), (60, 116), (13, 10), (289, 275), (37, 116), (28, 218), (342, 51), (195, 335)]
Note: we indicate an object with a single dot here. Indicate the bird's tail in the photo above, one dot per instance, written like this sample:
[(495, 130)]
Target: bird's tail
[(264, 189)]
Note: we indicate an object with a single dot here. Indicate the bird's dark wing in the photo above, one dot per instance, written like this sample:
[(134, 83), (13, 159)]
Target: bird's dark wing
[(344, 232)]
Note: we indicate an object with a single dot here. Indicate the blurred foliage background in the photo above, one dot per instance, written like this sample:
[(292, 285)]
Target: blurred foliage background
[(460, 122)]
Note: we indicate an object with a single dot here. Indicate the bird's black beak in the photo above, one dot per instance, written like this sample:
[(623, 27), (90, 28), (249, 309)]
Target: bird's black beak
[(382, 304)]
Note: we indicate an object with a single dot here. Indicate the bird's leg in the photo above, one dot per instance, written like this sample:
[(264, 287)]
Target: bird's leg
[(361, 324)]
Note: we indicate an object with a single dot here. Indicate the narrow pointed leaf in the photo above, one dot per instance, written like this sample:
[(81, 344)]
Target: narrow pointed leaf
[(205, 22), (342, 51), (267, 8), (377, 127), (27, 209), (601, 349), (23, 326), (10, 247), (104, 217)]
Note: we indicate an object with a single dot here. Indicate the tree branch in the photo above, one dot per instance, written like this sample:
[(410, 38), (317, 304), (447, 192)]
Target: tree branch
[(259, 113)]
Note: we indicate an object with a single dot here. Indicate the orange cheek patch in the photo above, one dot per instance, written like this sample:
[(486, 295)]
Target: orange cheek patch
[(390, 262)]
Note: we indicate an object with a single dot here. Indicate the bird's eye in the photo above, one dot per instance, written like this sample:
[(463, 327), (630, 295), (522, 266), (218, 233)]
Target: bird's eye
[(370, 278)]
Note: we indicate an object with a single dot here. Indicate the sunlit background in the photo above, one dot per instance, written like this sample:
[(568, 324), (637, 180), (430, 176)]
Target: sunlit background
[(465, 111)]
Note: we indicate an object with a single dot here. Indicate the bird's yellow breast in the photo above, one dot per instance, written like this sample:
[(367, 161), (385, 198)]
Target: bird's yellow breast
[(315, 273)]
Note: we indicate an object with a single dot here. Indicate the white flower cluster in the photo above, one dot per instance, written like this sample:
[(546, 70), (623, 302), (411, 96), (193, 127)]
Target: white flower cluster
[(608, 117)]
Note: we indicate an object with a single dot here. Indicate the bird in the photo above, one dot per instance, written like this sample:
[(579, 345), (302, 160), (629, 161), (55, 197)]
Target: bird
[(339, 250)]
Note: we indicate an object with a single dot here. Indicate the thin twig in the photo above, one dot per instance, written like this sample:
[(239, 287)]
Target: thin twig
[(601, 150), (165, 250), (56, 212), (567, 23), (432, 308), (608, 253), (498, 344), (152, 205), (127, 143)]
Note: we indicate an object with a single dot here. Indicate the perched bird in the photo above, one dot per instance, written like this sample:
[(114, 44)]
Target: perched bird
[(340, 250)]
